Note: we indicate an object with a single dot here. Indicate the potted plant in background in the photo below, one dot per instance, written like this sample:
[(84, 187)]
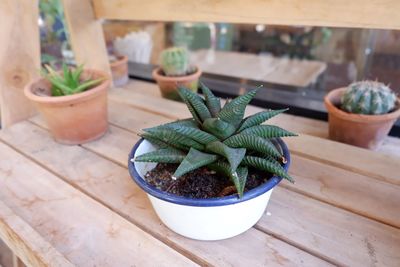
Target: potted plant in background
[(119, 69), (176, 71), (210, 177), (362, 114), (73, 103)]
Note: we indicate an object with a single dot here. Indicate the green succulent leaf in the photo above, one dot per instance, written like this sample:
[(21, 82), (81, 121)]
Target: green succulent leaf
[(239, 177), (213, 103), (259, 118), (185, 122), (154, 140), (267, 165), (174, 139), (267, 131), (193, 160), (88, 84), (219, 128), (195, 102), (196, 134), (233, 112), (164, 155), (253, 142), (233, 155)]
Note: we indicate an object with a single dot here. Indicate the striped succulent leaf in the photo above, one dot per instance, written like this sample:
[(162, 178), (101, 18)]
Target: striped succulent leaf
[(213, 103), (253, 142), (238, 178), (194, 133), (268, 131), (196, 102), (233, 112), (267, 165), (193, 160), (164, 155), (259, 118), (218, 127), (219, 139), (233, 155), (174, 139)]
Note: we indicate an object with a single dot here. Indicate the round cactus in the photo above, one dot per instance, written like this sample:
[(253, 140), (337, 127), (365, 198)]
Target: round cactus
[(369, 98), (175, 61)]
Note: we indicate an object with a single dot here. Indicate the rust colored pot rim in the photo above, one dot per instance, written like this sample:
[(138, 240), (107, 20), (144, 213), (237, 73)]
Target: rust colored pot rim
[(158, 76), (68, 98), (120, 60), (336, 94)]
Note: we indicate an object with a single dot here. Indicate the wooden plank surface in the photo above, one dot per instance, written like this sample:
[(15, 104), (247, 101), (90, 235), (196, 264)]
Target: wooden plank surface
[(111, 184), (5, 255), (316, 237), (19, 58), (26, 242), (335, 13), (86, 35), (81, 229), (265, 68)]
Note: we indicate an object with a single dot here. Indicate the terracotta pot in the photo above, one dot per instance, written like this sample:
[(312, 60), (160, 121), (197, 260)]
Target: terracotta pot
[(119, 70), (72, 119), (168, 85), (366, 131)]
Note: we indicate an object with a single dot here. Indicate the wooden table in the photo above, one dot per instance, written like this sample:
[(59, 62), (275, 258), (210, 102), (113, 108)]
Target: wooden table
[(264, 68), (77, 205)]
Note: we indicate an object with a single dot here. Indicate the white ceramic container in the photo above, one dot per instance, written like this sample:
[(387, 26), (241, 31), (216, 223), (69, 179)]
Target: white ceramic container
[(204, 219)]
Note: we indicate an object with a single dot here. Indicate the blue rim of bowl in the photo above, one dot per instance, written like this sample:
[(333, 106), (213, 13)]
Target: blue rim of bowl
[(210, 202)]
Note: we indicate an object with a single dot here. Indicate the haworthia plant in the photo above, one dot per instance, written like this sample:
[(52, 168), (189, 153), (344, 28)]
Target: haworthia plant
[(219, 138)]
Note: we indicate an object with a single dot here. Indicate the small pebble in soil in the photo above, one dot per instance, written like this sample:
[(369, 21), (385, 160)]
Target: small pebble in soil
[(200, 183)]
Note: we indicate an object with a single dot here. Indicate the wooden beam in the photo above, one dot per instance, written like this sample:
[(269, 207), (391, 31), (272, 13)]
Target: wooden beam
[(19, 58), (86, 35), (380, 14)]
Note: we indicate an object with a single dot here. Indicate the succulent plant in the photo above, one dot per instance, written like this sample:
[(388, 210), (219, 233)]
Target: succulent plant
[(175, 61), (69, 82), (368, 97), (218, 138)]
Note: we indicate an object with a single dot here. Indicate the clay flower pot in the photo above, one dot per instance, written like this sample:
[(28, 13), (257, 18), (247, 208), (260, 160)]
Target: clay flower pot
[(72, 119), (366, 131), (119, 70), (168, 84)]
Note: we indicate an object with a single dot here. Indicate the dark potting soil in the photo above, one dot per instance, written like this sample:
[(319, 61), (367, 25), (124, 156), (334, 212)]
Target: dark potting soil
[(200, 183)]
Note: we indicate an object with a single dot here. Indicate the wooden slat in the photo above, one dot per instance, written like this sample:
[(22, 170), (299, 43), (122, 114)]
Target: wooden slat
[(19, 58), (320, 237), (26, 242), (111, 184), (335, 13), (86, 35), (363, 161), (351, 240), (81, 229), (6, 255)]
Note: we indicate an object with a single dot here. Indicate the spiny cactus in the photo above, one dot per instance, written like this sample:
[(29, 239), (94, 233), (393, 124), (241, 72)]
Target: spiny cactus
[(218, 138), (368, 97), (175, 61), (69, 82)]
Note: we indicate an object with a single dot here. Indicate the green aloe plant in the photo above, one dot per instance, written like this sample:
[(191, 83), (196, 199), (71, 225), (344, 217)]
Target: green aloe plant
[(69, 82), (219, 138)]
